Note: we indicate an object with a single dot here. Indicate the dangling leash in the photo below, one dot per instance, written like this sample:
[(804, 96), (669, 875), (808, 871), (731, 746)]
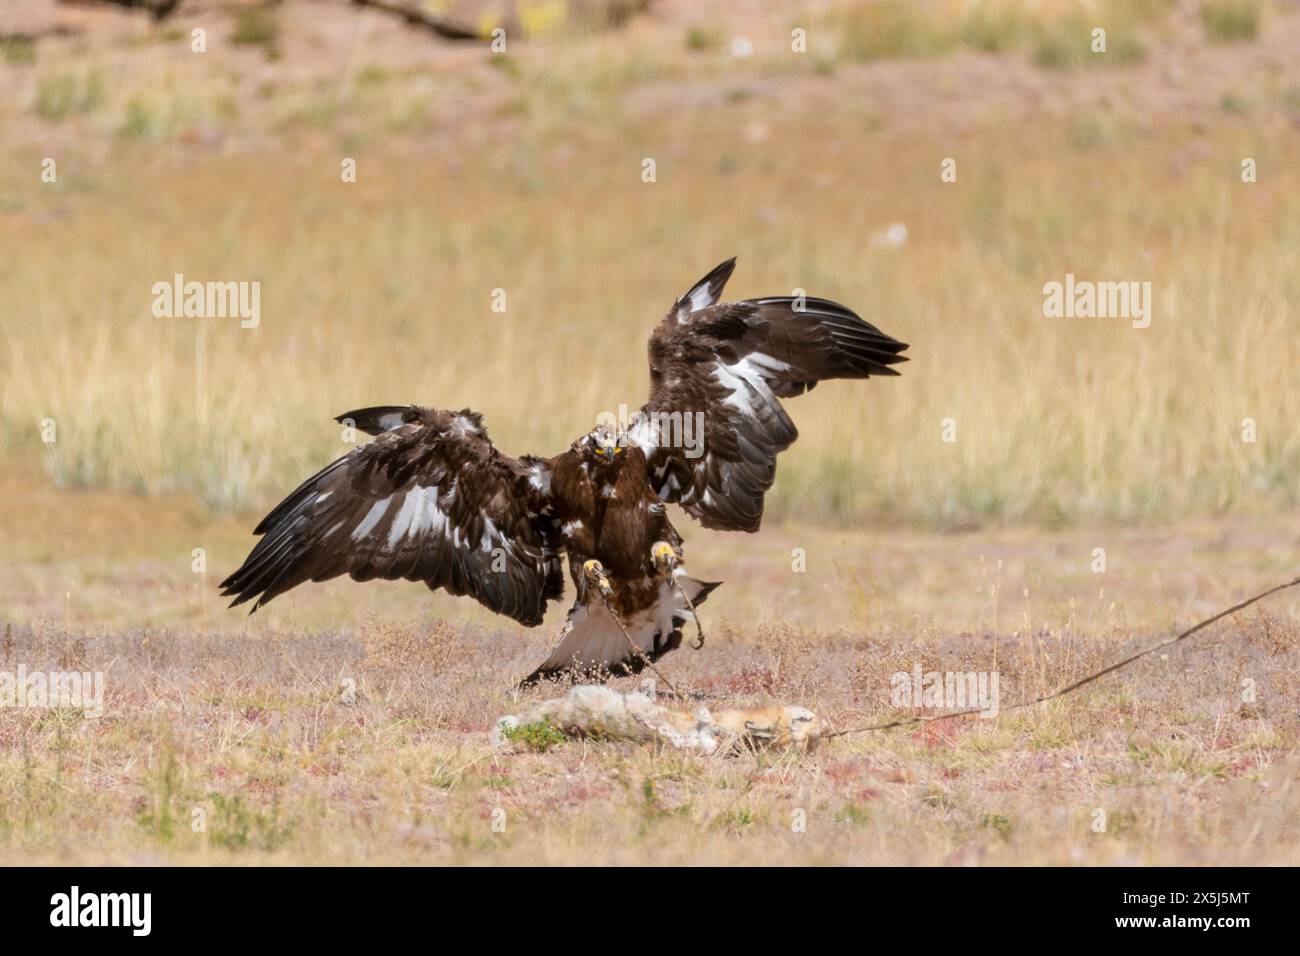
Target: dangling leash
[(1061, 692), (699, 626), (637, 650), (663, 551), (603, 588)]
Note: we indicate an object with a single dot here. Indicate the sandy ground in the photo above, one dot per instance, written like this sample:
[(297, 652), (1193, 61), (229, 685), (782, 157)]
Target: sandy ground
[(468, 101)]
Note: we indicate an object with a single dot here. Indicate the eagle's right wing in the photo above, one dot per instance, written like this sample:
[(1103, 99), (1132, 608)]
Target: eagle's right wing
[(430, 499)]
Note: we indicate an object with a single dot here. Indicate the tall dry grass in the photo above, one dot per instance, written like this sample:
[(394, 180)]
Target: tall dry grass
[(380, 291)]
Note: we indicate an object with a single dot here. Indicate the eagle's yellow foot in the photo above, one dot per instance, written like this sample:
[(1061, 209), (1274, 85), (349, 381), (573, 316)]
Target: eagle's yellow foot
[(594, 573), (663, 557)]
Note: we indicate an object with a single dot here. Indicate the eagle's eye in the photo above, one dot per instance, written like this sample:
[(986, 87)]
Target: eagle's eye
[(618, 449)]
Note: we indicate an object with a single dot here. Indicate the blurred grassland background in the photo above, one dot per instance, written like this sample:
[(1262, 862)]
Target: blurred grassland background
[(522, 170)]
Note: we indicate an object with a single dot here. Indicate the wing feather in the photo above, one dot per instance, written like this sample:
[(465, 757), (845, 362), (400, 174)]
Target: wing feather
[(430, 499), (731, 363), (704, 293)]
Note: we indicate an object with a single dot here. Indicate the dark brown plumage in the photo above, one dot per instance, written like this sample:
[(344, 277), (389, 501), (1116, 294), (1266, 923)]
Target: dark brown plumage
[(733, 361), (431, 499), (428, 500)]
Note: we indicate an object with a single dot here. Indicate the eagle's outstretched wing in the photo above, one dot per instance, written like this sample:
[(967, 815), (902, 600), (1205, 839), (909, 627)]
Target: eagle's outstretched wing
[(430, 499), (732, 362)]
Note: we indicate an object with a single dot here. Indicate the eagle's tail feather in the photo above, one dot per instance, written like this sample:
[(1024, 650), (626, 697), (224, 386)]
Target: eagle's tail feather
[(696, 589), (594, 647)]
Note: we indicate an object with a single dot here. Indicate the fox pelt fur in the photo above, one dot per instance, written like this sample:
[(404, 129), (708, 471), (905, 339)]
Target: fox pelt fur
[(602, 712)]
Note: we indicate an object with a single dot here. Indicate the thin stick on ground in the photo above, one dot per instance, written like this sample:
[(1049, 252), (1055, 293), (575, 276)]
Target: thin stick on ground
[(1061, 692)]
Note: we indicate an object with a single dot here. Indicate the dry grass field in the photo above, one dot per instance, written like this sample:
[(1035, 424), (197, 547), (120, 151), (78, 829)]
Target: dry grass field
[(949, 517), (248, 720)]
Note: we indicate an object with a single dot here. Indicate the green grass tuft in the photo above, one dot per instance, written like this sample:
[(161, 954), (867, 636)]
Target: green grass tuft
[(64, 94), (539, 736), (1230, 21), (257, 26), (18, 51), (892, 29)]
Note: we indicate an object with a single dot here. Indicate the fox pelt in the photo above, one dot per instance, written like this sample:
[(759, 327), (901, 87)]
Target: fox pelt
[(604, 713)]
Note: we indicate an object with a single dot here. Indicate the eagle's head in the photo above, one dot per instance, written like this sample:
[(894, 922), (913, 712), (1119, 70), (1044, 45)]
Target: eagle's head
[(603, 446)]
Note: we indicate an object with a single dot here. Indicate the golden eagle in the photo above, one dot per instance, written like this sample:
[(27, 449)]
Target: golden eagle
[(432, 499)]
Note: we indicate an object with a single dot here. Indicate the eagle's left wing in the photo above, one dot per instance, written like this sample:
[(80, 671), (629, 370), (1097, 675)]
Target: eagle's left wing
[(729, 364), (430, 499)]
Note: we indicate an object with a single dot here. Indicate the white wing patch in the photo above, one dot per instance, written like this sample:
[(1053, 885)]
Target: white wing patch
[(490, 534), (403, 520), (372, 518), (419, 513), (540, 479), (462, 426), (698, 298), (431, 518), (747, 383), (703, 294), (390, 421), (764, 364)]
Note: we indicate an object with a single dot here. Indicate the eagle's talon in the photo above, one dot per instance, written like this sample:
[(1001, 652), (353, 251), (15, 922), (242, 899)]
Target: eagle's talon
[(594, 573), (663, 557)]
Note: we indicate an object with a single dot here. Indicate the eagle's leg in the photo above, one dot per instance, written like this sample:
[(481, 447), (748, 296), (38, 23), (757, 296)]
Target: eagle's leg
[(593, 572), (663, 557), (666, 561)]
